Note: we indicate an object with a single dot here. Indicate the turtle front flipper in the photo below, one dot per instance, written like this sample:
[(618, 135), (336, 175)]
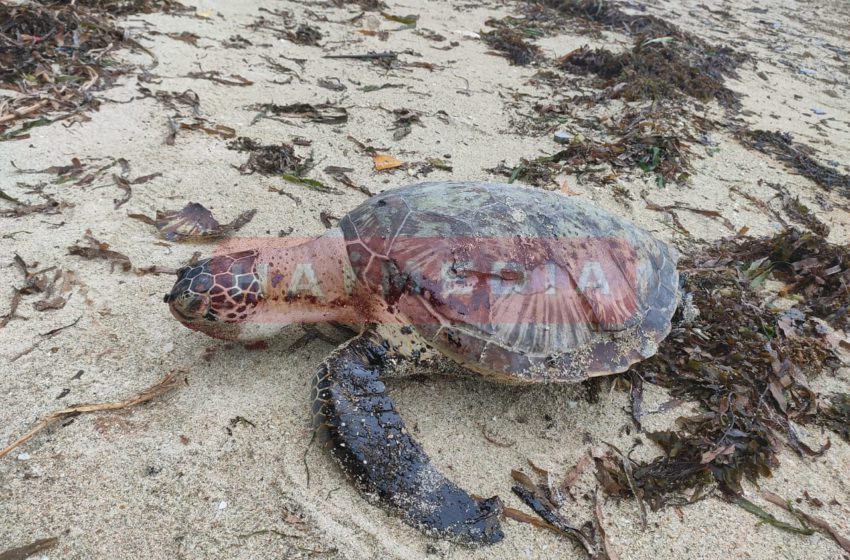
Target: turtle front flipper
[(353, 413)]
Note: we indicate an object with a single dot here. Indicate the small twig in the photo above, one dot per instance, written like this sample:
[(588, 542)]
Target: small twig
[(168, 383), (493, 440), (22, 552), (600, 521), (627, 469)]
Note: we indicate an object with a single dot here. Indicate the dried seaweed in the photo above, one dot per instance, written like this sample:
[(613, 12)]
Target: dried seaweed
[(217, 77), (512, 44), (745, 363), (809, 519), (658, 70), (529, 493), (324, 113), (835, 414), (197, 123), (404, 121), (801, 214), (366, 5), (312, 184), (800, 157), (54, 54), (651, 140), (91, 249), (268, 159), (306, 34), (669, 208), (769, 519), (126, 7), (49, 207), (300, 34)]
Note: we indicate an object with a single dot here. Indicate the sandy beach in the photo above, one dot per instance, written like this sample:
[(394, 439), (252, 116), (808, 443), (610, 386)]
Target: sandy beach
[(222, 466)]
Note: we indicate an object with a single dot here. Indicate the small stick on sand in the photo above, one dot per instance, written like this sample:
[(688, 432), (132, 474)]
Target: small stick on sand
[(600, 521), (168, 383)]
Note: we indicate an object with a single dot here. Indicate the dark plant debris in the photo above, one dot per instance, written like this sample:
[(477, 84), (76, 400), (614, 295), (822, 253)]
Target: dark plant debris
[(536, 499), (217, 77), (649, 139), (287, 28), (664, 62), (51, 284), (271, 159), (366, 5), (323, 113), (747, 364), (512, 44), (55, 54), (657, 69), (797, 156), (90, 248)]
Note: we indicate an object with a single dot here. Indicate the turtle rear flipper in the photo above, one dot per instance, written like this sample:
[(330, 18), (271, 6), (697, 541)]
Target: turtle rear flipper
[(367, 436)]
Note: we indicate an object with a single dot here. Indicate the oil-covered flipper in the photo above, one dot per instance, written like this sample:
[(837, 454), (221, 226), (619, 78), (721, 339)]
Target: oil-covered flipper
[(367, 436)]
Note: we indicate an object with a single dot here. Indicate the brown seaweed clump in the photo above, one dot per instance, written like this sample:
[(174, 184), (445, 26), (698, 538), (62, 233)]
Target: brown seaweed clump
[(797, 156), (54, 54), (271, 159), (511, 42), (746, 364), (650, 139), (654, 70), (123, 7), (665, 62)]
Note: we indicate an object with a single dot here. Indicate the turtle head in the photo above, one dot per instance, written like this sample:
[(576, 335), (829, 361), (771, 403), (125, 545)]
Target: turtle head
[(220, 296)]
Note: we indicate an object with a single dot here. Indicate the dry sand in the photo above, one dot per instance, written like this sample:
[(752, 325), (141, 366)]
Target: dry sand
[(180, 478)]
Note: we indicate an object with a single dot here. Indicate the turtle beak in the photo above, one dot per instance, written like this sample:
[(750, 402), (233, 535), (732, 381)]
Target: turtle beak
[(191, 308)]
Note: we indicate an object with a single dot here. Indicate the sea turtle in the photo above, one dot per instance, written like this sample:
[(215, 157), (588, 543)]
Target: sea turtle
[(515, 284)]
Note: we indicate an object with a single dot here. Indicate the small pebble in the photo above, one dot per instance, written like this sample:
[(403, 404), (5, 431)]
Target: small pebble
[(818, 111), (563, 137), (24, 457), (222, 505), (807, 71)]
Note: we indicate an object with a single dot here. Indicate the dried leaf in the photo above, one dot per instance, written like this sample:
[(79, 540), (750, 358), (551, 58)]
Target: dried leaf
[(384, 162), (196, 223), (94, 249)]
